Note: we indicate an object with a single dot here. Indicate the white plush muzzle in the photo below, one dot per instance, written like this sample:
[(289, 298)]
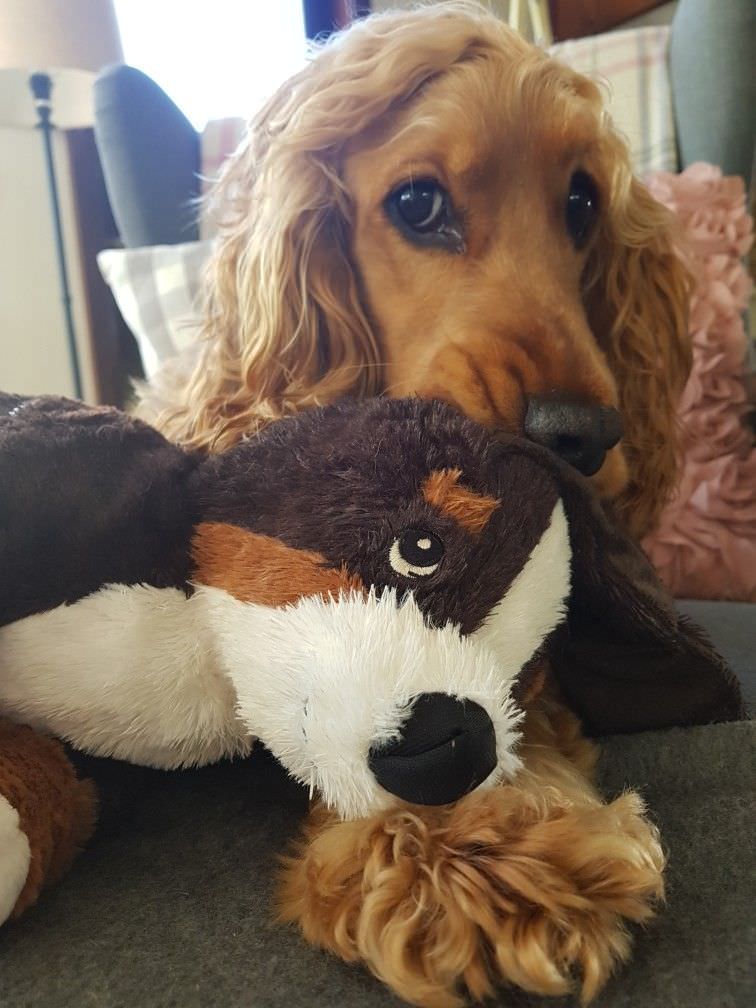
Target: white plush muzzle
[(323, 682)]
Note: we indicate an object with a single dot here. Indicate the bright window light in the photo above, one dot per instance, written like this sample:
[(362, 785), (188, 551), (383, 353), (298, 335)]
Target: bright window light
[(217, 59)]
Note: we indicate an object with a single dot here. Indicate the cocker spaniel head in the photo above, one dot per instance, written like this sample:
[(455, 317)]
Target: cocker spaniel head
[(436, 207)]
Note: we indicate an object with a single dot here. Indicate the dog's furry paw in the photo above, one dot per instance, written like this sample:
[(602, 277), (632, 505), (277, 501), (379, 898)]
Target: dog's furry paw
[(506, 887)]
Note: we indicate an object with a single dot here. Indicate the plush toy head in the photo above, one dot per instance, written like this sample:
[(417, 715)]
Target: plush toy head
[(394, 576), (371, 589)]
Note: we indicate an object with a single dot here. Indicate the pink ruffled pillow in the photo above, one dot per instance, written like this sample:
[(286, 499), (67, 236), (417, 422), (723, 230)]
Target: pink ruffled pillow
[(705, 545)]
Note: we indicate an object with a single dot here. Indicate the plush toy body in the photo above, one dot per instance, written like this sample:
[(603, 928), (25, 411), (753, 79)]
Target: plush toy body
[(371, 589)]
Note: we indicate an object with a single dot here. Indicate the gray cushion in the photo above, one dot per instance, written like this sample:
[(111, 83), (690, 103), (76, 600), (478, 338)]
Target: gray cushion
[(732, 628), (150, 156), (713, 83)]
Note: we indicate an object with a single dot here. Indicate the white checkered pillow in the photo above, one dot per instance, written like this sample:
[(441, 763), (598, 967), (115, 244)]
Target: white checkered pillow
[(157, 291), (633, 64)]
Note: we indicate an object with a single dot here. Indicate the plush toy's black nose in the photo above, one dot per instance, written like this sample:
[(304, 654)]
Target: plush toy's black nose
[(447, 747), (580, 432)]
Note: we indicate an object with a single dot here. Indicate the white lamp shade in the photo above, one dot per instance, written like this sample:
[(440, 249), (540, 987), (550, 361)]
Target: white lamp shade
[(68, 39), (72, 99), (44, 34)]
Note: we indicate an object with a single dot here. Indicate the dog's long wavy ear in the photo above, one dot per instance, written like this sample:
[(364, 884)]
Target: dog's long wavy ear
[(283, 324), (628, 660), (637, 295)]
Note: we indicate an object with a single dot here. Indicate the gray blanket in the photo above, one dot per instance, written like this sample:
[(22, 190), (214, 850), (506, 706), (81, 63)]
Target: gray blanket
[(171, 903)]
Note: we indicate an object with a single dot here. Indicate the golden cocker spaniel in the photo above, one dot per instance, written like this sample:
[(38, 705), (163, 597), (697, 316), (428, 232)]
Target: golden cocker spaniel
[(435, 206)]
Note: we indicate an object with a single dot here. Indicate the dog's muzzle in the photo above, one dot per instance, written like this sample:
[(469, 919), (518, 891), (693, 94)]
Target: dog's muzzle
[(446, 748)]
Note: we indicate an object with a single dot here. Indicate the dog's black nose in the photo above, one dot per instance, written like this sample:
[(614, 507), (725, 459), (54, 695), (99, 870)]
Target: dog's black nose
[(446, 748), (580, 432)]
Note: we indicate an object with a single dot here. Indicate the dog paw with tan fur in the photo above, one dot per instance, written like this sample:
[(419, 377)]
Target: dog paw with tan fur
[(508, 887)]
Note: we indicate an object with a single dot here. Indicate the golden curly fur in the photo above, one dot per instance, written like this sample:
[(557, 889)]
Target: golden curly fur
[(528, 884), (313, 293)]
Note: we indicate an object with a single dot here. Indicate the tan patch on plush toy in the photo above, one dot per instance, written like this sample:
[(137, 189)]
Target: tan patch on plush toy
[(257, 568), (469, 509), (57, 811), (528, 883)]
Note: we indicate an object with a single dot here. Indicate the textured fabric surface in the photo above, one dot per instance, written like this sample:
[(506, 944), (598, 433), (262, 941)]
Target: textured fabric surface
[(732, 629), (172, 902), (714, 86), (705, 544), (218, 140), (632, 66), (157, 289)]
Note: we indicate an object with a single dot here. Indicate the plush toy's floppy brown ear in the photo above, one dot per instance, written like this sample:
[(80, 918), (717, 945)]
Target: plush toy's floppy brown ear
[(628, 660)]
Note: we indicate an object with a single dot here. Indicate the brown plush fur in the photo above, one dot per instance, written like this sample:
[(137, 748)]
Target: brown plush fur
[(314, 293), (57, 812), (261, 569), (527, 884)]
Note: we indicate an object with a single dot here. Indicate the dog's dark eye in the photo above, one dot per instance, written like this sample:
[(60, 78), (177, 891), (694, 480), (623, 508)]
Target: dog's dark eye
[(582, 208), (422, 211), (422, 205), (416, 553)]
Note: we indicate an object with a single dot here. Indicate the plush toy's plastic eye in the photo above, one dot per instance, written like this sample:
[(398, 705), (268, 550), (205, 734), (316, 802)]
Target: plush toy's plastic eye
[(416, 553)]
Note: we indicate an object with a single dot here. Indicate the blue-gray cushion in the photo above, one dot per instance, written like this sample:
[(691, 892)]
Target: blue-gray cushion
[(150, 156), (711, 61), (732, 629)]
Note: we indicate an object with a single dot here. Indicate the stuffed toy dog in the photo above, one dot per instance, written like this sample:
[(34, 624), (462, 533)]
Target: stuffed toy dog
[(375, 591)]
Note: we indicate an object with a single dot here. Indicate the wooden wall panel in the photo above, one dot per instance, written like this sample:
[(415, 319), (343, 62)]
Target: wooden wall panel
[(576, 18)]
